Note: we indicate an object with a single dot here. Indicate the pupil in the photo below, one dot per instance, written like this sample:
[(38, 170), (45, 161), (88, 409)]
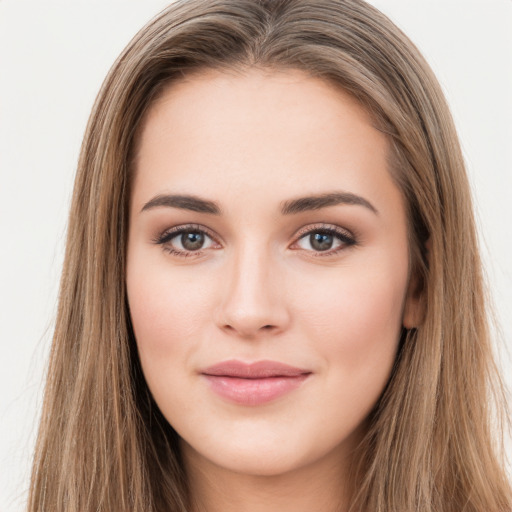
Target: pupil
[(192, 241), (321, 241)]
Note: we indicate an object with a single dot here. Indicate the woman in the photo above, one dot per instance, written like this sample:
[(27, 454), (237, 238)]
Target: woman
[(272, 295)]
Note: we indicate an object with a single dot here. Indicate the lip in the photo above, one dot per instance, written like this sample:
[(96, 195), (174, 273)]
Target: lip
[(253, 383)]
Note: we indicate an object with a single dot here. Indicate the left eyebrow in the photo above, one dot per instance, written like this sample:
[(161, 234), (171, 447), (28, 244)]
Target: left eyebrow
[(317, 202)]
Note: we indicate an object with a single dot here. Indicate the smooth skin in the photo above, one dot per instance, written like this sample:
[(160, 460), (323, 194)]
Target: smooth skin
[(265, 279)]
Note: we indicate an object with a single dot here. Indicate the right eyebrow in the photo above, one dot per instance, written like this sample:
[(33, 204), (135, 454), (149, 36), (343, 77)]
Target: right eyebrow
[(184, 202)]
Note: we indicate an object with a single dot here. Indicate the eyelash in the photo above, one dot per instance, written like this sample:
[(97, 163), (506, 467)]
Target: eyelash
[(171, 233), (346, 238)]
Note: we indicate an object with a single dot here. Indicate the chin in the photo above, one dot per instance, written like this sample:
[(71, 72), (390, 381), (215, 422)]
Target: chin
[(264, 457), (260, 463)]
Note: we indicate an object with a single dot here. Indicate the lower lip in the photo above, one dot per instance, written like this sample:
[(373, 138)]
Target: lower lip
[(254, 391)]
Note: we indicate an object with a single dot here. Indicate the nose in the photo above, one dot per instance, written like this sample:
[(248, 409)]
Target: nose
[(253, 301)]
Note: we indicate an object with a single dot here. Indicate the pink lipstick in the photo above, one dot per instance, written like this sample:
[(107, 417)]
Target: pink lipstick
[(255, 383)]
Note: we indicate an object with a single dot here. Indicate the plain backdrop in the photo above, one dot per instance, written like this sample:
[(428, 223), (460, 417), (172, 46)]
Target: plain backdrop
[(53, 58)]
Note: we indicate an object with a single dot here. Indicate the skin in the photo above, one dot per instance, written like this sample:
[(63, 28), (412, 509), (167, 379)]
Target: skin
[(258, 289)]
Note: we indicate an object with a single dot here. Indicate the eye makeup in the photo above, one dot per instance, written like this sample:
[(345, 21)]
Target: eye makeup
[(323, 240), (189, 240), (193, 240)]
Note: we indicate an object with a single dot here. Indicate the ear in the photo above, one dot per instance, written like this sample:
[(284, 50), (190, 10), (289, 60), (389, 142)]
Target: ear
[(414, 305)]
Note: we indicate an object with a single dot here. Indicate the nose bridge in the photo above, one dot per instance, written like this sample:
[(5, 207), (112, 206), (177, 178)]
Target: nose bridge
[(252, 299)]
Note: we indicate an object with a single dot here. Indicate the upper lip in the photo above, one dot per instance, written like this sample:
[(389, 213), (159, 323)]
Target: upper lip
[(256, 370)]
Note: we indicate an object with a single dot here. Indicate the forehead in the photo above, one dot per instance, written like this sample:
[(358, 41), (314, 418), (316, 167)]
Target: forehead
[(260, 129), (220, 93)]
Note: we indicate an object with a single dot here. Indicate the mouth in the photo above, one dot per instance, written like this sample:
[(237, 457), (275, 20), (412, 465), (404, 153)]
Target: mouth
[(255, 383)]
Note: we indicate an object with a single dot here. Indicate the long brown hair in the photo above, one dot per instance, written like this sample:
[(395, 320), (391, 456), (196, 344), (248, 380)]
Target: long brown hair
[(103, 445)]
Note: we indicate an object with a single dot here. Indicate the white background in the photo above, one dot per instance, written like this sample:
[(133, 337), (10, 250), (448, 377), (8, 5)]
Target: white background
[(53, 58)]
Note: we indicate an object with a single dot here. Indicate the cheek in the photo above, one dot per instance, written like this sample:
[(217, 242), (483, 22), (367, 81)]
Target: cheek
[(354, 320), (168, 311), (167, 308), (354, 326)]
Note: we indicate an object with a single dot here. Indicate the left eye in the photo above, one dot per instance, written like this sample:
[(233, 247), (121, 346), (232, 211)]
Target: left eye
[(323, 240)]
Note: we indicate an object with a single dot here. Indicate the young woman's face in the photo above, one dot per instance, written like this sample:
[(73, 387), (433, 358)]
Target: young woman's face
[(267, 268)]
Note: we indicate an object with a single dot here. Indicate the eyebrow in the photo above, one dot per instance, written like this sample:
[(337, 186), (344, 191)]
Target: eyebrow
[(290, 207), (184, 202), (316, 202)]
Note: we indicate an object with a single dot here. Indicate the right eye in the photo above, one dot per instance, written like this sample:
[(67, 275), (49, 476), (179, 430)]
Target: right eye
[(186, 241)]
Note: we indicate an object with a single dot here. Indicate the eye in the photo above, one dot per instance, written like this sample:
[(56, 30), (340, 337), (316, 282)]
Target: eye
[(186, 240), (328, 240)]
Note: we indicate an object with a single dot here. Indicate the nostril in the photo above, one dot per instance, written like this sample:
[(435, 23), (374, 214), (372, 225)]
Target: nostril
[(249, 332)]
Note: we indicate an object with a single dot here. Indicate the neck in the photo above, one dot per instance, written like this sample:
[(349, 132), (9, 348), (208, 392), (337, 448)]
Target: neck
[(322, 485)]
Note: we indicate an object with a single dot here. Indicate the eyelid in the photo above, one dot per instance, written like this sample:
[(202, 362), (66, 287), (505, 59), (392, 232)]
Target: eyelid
[(168, 234), (322, 226), (348, 238)]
